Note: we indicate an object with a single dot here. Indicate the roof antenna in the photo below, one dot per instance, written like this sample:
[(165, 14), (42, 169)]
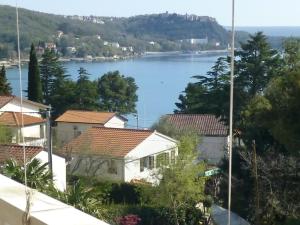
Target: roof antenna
[(26, 215), (231, 112)]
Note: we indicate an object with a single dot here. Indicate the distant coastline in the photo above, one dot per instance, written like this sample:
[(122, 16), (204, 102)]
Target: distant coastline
[(14, 63)]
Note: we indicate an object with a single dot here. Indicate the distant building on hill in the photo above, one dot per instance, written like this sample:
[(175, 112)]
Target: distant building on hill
[(196, 41)]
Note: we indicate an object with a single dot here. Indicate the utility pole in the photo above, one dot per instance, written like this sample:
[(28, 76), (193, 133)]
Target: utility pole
[(256, 183), (137, 120), (49, 140)]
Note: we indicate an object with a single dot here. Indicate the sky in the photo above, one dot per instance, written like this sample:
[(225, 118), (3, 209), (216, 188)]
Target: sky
[(248, 12)]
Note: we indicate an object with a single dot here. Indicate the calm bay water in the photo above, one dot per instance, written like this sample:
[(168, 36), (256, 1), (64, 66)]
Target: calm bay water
[(160, 78)]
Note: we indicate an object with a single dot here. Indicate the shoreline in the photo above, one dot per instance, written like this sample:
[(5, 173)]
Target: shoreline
[(14, 64)]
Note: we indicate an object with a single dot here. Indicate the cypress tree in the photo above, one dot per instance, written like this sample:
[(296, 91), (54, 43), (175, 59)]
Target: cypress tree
[(5, 88), (34, 79)]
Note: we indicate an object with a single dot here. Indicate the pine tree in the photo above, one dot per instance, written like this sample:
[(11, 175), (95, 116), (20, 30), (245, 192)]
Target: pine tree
[(5, 88), (52, 75), (34, 80)]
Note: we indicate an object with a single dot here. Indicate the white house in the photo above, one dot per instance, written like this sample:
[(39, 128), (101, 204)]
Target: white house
[(34, 124), (13, 104), (10, 151), (120, 154), (214, 134), (33, 130), (73, 122)]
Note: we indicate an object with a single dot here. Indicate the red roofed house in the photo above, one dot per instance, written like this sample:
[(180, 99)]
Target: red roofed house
[(73, 122), (10, 151), (213, 144), (120, 154), (34, 124)]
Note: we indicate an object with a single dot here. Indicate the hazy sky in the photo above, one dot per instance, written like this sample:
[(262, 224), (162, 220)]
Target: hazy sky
[(248, 12)]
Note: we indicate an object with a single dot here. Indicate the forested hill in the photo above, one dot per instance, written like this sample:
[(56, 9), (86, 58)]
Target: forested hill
[(90, 34)]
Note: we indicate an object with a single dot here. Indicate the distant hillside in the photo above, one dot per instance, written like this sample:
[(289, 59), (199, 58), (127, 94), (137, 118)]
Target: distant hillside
[(102, 36)]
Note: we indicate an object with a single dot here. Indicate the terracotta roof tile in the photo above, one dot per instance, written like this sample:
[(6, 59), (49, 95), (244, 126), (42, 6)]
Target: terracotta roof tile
[(114, 142), (205, 124), (16, 152), (15, 118), (77, 116), (5, 99)]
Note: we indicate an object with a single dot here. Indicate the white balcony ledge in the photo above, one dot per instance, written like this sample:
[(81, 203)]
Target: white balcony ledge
[(44, 209)]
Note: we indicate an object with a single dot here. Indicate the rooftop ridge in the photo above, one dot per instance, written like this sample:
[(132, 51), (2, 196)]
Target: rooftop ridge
[(124, 129)]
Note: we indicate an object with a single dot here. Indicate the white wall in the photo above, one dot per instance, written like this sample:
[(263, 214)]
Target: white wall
[(14, 106), (59, 169), (97, 167), (212, 149), (115, 122), (33, 131), (153, 145)]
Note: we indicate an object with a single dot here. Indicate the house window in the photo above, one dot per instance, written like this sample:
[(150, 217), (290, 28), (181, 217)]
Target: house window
[(76, 131), (151, 162), (173, 157), (142, 164), (112, 167)]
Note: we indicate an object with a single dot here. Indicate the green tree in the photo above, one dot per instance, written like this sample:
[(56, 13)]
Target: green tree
[(34, 79), (208, 93), (292, 54), (86, 92), (5, 88), (5, 134), (258, 63), (38, 175), (184, 174), (52, 75), (117, 93)]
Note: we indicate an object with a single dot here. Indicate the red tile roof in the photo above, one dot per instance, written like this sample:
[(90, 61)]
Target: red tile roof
[(6, 99), (114, 142), (92, 117), (204, 124), (15, 118), (16, 152)]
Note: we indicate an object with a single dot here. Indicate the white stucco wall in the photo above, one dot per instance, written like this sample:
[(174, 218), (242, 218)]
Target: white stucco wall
[(97, 167), (153, 145), (59, 169), (14, 106), (212, 149), (33, 131), (115, 122)]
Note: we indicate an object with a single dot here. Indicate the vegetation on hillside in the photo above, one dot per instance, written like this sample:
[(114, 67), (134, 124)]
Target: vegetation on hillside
[(156, 32)]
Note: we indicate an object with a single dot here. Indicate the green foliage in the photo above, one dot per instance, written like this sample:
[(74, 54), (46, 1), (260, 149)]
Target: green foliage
[(184, 174), (34, 80), (208, 94), (38, 175), (5, 134), (86, 92), (292, 54), (52, 75), (5, 88), (117, 93)]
